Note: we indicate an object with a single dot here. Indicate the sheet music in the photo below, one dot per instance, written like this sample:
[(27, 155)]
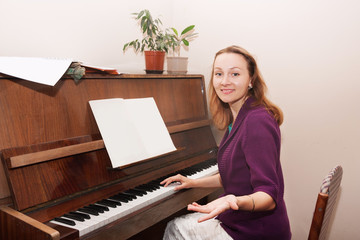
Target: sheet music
[(41, 70), (132, 129)]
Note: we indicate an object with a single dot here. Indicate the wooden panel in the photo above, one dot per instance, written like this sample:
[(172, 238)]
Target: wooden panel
[(33, 113), (15, 225)]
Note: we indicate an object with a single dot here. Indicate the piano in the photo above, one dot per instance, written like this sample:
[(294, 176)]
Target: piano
[(56, 177)]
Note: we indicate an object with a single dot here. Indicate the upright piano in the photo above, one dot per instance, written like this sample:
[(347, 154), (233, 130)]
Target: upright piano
[(56, 170)]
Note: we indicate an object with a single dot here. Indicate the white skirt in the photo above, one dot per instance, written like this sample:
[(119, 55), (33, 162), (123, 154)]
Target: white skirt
[(187, 228)]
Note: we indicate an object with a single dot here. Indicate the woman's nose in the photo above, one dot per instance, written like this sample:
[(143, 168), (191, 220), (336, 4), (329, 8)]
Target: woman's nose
[(225, 80)]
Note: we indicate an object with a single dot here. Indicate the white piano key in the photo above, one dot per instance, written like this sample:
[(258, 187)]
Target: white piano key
[(206, 172), (83, 229)]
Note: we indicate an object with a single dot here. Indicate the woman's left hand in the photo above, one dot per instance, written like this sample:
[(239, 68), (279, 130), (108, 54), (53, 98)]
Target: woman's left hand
[(215, 207)]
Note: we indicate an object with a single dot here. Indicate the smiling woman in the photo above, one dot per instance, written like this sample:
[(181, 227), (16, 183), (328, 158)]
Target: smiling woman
[(221, 113), (252, 206)]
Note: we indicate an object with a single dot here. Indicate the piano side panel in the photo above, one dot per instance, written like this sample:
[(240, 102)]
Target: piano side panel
[(15, 225), (33, 113)]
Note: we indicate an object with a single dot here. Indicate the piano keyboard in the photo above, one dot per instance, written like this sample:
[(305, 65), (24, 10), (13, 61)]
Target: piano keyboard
[(96, 215)]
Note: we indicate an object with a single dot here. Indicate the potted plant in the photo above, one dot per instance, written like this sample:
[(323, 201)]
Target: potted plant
[(177, 64), (154, 44)]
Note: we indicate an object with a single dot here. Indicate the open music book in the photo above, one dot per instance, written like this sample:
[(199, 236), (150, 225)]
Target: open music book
[(132, 129)]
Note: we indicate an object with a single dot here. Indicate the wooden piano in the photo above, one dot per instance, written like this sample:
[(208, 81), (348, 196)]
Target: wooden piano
[(54, 161)]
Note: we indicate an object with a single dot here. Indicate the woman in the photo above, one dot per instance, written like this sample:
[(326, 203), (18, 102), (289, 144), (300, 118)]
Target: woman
[(252, 206)]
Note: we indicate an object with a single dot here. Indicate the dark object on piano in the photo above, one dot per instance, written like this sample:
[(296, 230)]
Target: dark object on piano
[(56, 164), (76, 71)]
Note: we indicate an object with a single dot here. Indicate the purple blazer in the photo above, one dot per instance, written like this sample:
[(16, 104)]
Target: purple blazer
[(249, 161)]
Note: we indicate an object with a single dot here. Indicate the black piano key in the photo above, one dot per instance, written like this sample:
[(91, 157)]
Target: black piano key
[(128, 195), (135, 192), (89, 211), (135, 189), (119, 198), (108, 203), (154, 185), (95, 208), (144, 188), (85, 216), (74, 217), (117, 203), (99, 207), (65, 221), (156, 182)]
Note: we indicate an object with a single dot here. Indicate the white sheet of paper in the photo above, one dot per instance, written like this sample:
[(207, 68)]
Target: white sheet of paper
[(132, 129), (41, 70)]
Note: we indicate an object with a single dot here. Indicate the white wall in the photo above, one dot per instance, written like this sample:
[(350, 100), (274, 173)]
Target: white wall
[(307, 50)]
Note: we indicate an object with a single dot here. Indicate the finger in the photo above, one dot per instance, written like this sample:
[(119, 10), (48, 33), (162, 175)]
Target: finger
[(169, 181), (175, 178), (196, 204), (204, 218), (166, 182), (202, 209), (210, 215)]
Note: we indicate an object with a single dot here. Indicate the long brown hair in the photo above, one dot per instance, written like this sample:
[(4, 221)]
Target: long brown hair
[(221, 113)]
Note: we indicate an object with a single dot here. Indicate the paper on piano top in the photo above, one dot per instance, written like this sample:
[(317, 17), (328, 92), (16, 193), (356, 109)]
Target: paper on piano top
[(41, 70), (132, 129)]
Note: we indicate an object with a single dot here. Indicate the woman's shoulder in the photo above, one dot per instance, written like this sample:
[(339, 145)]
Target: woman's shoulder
[(259, 115), (259, 111)]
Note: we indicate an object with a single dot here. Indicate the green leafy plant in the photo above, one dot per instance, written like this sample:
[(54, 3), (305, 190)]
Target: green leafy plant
[(154, 38), (177, 41)]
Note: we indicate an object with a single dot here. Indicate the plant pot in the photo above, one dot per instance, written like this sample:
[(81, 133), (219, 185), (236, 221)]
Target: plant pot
[(177, 65), (154, 62)]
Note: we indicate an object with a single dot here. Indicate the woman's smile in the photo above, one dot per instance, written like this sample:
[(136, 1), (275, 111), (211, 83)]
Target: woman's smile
[(227, 91)]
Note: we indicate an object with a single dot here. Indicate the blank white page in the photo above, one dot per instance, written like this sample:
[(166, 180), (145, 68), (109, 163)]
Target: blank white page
[(41, 70), (132, 129)]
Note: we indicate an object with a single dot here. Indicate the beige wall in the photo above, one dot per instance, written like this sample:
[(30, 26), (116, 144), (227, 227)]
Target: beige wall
[(308, 52)]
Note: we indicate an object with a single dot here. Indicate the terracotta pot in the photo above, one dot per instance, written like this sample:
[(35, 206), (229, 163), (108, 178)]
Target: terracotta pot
[(154, 62), (177, 65)]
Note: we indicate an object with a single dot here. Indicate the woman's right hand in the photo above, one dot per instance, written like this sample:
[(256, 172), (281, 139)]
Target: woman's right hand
[(183, 181)]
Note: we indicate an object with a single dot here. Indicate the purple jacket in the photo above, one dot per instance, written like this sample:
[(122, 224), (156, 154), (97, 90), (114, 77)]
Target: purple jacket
[(249, 161)]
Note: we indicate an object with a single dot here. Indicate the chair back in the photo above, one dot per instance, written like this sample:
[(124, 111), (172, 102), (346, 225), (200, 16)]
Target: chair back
[(325, 204)]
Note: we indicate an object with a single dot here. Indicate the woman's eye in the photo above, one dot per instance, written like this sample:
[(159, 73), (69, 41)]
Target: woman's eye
[(236, 74), (218, 74)]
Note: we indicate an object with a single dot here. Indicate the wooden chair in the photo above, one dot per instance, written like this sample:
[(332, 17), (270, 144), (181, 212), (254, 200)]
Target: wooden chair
[(325, 204)]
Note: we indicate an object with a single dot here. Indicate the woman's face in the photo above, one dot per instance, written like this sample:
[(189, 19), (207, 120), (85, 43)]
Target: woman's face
[(231, 79)]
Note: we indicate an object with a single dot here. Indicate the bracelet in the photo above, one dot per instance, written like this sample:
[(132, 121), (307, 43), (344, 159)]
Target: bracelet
[(253, 202)]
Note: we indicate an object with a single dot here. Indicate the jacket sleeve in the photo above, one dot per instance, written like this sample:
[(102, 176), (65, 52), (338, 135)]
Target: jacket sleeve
[(262, 152)]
